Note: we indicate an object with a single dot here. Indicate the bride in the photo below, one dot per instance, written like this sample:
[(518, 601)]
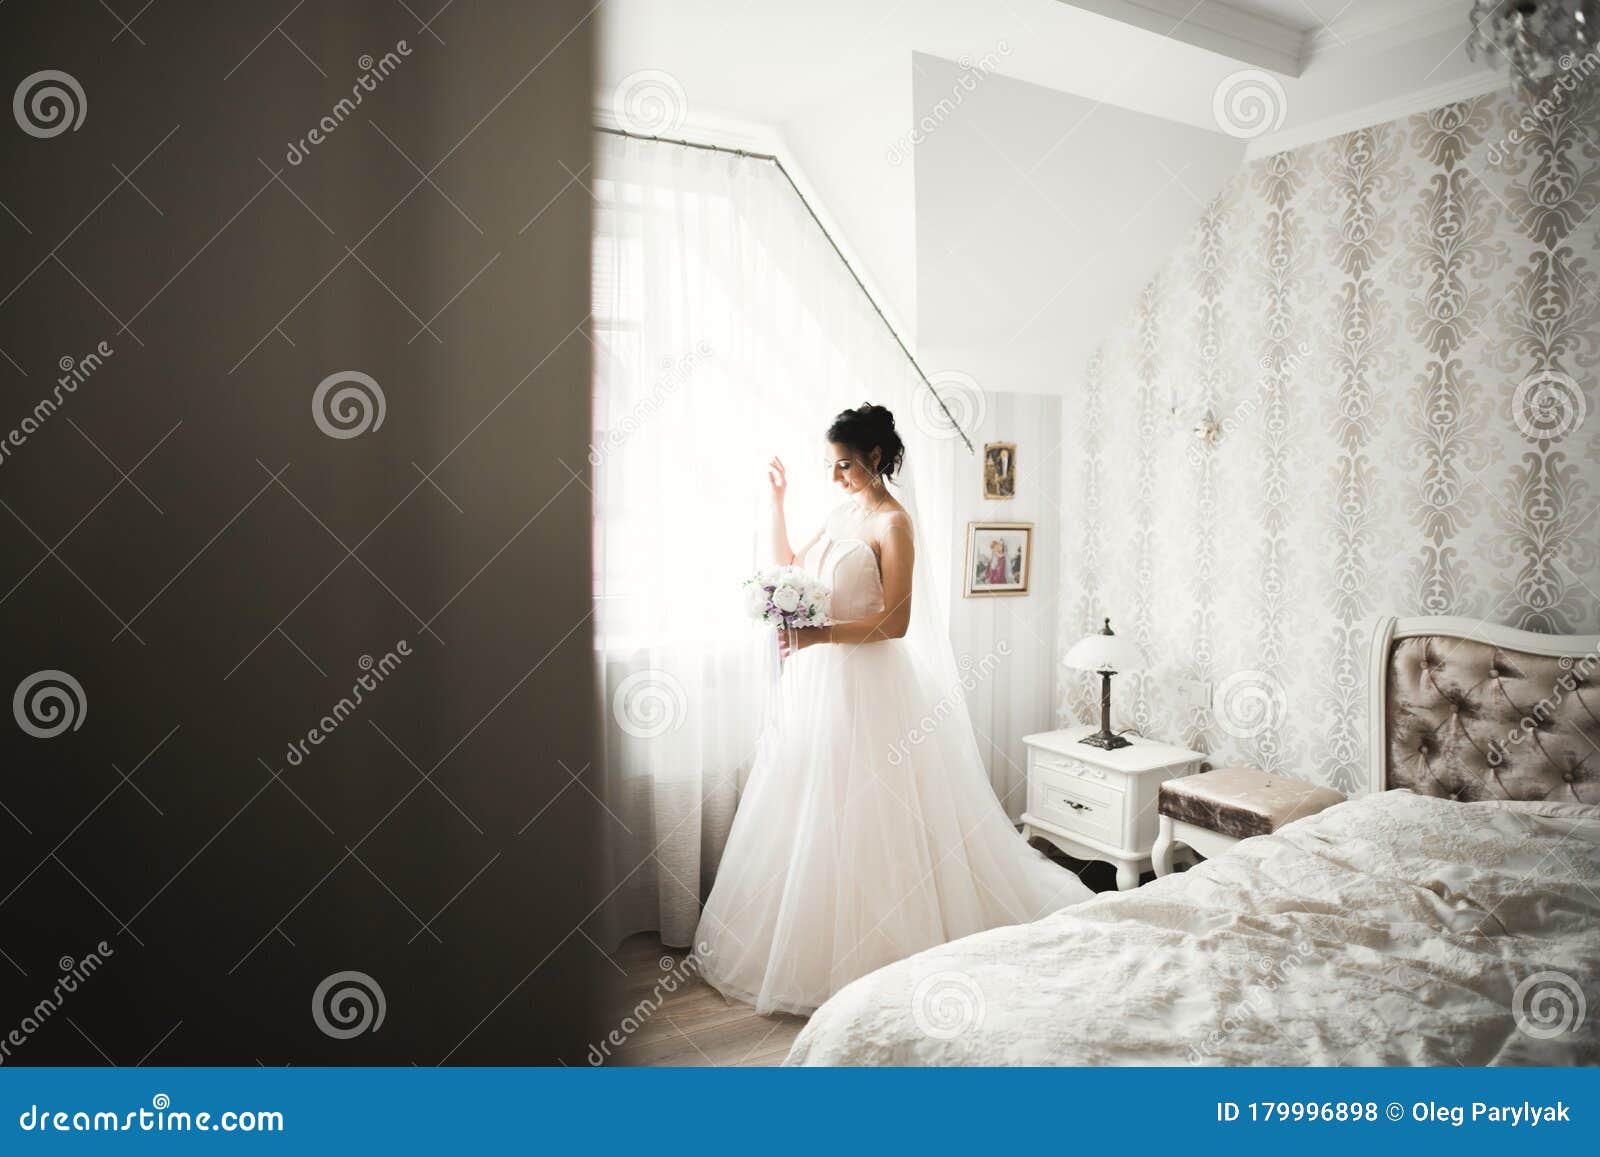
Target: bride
[(868, 830)]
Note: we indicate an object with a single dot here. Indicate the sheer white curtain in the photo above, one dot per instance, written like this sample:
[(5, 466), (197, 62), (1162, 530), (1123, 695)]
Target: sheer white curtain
[(726, 331)]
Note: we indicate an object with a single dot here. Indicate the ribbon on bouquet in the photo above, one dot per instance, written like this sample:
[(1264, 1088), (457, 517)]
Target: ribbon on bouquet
[(787, 598)]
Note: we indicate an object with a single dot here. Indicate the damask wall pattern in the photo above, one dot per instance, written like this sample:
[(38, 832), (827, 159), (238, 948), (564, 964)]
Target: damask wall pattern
[(1398, 338)]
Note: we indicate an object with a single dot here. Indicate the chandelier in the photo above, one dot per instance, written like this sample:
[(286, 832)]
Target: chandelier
[(1539, 38)]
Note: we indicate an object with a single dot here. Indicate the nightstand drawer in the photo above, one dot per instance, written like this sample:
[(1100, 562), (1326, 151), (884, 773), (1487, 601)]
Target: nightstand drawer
[(1065, 765), (1102, 790), (1097, 802), (1076, 806)]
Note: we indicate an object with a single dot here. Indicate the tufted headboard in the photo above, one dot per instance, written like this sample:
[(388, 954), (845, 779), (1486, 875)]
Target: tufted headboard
[(1468, 710)]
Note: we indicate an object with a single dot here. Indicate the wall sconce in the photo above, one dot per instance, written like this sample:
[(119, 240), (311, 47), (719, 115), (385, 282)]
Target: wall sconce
[(1208, 430)]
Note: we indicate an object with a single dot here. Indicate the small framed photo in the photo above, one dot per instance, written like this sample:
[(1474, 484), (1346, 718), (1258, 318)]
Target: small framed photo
[(999, 469), (998, 558)]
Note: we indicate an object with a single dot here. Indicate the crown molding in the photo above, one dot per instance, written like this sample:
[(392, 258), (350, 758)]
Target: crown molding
[(1213, 25), (1399, 21), (1475, 84), (1273, 44)]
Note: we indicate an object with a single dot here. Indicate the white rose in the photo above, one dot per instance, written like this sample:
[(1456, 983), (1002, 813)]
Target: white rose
[(786, 598), (755, 600)]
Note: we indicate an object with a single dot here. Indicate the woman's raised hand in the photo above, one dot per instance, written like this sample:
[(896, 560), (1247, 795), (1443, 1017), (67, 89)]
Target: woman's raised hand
[(777, 480)]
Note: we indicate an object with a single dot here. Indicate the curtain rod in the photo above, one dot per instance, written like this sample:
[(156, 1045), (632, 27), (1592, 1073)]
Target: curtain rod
[(872, 301)]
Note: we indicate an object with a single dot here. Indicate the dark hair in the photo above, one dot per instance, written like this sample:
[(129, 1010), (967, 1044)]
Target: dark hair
[(866, 427)]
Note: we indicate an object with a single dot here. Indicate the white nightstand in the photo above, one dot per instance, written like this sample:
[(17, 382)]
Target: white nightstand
[(1100, 805)]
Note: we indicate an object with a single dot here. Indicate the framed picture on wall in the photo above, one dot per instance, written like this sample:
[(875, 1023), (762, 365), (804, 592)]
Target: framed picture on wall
[(999, 469), (998, 557)]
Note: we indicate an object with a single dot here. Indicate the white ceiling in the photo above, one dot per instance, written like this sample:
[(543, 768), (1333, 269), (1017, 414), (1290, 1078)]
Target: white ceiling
[(1039, 216), (833, 86)]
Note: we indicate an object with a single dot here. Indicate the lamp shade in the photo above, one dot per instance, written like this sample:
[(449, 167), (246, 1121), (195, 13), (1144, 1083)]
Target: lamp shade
[(1104, 652)]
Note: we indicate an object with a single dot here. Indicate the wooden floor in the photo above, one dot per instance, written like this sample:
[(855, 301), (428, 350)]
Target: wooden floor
[(696, 1025), (693, 1025)]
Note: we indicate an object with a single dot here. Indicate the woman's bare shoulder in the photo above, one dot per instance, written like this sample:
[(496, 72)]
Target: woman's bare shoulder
[(892, 520)]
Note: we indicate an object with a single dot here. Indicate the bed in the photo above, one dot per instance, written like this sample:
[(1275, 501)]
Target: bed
[(1450, 914)]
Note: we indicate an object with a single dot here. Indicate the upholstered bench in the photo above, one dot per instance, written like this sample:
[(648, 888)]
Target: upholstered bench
[(1214, 810)]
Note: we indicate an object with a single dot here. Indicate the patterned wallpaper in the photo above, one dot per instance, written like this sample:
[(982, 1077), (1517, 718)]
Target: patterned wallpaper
[(1396, 331)]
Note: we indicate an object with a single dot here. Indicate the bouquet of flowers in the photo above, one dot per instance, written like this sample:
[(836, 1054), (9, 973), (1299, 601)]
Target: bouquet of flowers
[(787, 597)]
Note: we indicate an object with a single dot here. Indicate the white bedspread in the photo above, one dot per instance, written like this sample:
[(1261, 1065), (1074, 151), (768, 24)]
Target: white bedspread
[(1393, 929)]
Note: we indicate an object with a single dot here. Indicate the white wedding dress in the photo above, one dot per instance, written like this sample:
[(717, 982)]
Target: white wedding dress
[(868, 830)]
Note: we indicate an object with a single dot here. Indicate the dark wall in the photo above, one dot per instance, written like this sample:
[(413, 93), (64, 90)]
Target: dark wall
[(183, 538)]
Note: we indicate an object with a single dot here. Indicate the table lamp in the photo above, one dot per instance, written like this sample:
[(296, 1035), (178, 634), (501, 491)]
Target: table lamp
[(1108, 654)]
